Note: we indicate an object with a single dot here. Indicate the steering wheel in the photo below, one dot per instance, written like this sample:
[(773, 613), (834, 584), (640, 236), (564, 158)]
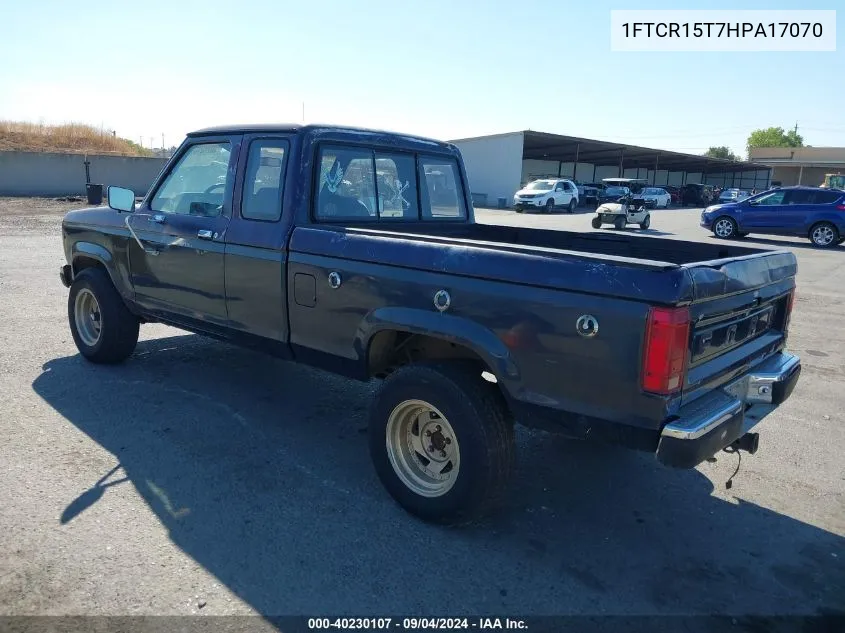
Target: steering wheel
[(219, 185)]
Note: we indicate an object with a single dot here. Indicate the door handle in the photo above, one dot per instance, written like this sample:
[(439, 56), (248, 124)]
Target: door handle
[(158, 218), (205, 234)]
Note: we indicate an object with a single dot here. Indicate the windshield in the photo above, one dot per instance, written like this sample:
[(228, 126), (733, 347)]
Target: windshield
[(540, 185), (730, 193), (653, 192), (615, 191)]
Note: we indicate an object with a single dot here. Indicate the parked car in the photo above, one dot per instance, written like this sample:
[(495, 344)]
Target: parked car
[(547, 195), (467, 326), (592, 190), (697, 195), (674, 192), (656, 198), (812, 212), (613, 194), (733, 195)]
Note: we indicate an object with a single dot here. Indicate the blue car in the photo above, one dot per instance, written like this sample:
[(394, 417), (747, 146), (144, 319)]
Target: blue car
[(812, 212)]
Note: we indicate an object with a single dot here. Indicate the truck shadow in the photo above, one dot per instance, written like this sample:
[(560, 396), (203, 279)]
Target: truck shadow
[(259, 471)]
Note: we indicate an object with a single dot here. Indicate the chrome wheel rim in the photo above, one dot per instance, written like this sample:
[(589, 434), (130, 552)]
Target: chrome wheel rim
[(86, 314), (724, 228), (823, 235), (423, 448)]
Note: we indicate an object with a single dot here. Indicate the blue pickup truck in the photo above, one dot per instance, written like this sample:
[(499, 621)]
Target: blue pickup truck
[(356, 251)]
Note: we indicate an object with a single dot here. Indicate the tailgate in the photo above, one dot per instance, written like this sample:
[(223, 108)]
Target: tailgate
[(739, 316)]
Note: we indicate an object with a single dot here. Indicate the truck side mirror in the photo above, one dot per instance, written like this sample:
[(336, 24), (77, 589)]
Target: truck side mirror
[(121, 199)]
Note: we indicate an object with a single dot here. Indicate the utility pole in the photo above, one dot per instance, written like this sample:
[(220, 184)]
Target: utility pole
[(303, 112)]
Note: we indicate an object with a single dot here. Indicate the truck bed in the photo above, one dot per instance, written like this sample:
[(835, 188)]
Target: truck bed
[(651, 269)]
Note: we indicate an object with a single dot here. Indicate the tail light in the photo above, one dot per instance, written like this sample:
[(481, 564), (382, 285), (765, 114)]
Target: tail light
[(790, 299), (841, 207), (665, 353)]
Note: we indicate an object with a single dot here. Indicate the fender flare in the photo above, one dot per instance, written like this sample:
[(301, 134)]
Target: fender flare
[(100, 254), (454, 329)]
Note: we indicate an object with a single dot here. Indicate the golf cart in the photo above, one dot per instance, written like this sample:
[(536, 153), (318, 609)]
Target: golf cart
[(629, 209)]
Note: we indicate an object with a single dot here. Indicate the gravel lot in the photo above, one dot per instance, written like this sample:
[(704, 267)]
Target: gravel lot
[(201, 478)]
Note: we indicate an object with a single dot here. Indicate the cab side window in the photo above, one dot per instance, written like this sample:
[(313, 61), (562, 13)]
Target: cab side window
[(197, 183), (264, 180)]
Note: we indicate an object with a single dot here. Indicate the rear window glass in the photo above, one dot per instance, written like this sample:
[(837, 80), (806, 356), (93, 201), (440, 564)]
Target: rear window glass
[(347, 187), (440, 189), (360, 184), (396, 183)]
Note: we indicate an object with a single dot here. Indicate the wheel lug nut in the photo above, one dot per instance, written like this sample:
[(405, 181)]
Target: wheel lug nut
[(442, 453), (428, 433), (437, 428), (448, 440)]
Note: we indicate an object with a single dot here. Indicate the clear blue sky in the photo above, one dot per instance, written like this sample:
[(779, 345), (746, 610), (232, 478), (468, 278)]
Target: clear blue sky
[(441, 68)]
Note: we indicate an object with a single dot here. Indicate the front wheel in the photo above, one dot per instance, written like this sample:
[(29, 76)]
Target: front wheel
[(550, 205), (441, 441), (725, 228), (596, 222), (824, 235), (619, 223), (645, 223), (103, 328)]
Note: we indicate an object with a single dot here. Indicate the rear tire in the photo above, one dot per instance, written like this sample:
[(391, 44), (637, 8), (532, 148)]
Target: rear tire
[(572, 205), (103, 328), (619, 223), (425, 410), (725, 228), (824, 235), (645, 223), (596, 223), (550, 205)]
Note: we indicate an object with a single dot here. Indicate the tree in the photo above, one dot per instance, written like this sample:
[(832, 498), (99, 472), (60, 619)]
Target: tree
[(774, 137), (721, 152)]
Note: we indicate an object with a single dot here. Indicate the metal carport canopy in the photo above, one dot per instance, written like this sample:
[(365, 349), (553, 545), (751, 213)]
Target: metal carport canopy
[(571, 149)]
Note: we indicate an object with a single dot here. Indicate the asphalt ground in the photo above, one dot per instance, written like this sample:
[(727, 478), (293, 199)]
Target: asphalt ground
[(198, 478)]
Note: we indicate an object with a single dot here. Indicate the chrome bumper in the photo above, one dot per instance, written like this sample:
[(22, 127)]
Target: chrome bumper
[(716, 420)]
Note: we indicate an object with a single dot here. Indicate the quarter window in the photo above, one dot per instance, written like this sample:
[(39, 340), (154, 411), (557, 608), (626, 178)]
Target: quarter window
[(826, 197), (263, 180), (198, 182)]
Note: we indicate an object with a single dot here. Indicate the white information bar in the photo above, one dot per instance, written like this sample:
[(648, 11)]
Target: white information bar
[(722, 30)]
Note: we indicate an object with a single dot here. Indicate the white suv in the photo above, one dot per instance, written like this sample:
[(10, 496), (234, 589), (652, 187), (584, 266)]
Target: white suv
[(546, 194)]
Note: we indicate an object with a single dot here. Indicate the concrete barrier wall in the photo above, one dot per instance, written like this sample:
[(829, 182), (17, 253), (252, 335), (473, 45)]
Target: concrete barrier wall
[(43, 174)]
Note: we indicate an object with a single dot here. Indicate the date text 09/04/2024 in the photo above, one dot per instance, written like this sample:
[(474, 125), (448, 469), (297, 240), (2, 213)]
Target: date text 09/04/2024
[(723, 29), (416, 624)]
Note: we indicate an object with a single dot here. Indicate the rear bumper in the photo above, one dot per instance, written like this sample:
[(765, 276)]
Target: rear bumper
[(716, 420)]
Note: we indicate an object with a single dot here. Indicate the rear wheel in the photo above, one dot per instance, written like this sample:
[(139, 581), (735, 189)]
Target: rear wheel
[(824, 235), (645, 223), (441, 441), (725, 228), (103, 328), (619, 223), (550, 205), (572, 205), (596, 222)]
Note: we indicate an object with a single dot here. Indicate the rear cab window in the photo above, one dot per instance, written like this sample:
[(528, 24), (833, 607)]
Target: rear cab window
[(366, 184), (264, 180)]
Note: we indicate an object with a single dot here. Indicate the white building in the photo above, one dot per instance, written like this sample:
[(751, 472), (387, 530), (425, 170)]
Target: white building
[(498, 165)]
